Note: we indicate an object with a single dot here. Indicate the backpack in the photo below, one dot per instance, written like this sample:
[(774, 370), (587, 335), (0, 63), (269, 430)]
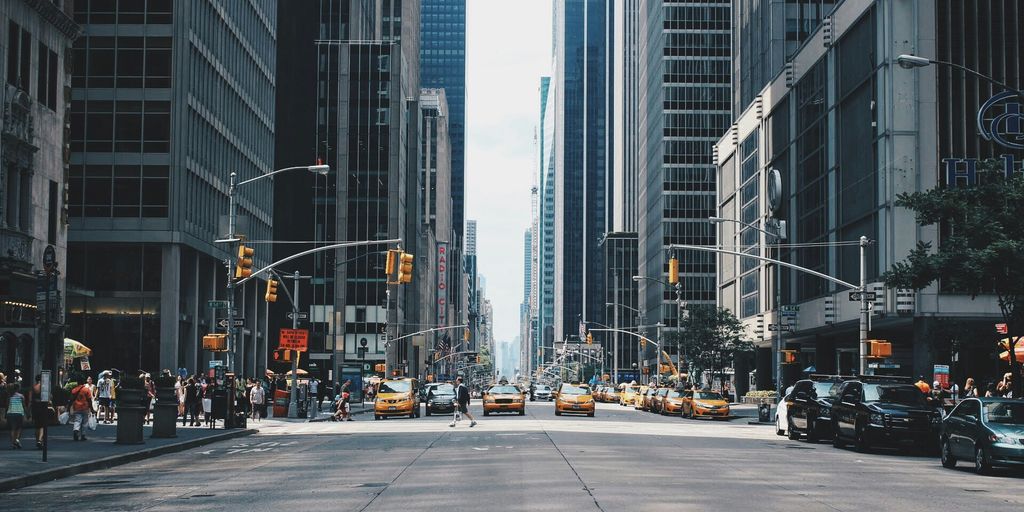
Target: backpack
[(81, 399)]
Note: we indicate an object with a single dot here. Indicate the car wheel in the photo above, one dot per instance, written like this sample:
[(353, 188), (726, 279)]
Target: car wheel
[(693, 416), (837, 441), (948, 460), (428, 411), (522, 412), (861, 440), (981, 463), (590, 415), (376, 416), (486, 413), (557, 412), (779, 431), (791, 432)]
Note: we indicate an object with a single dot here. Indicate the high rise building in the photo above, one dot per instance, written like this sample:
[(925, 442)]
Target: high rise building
[(827, 147), (473, 291), (169, 99), (684, 96), (582, 56), (545, 271), (35, 40), (443, 66), (525, 317)]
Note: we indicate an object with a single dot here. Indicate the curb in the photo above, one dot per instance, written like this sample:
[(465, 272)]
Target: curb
[(114, 460), (319, 418)]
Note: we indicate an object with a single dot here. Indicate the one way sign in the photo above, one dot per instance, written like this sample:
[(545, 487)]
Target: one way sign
[(238, 322)]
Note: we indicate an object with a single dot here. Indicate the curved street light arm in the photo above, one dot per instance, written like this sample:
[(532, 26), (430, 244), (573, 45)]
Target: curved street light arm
[(770, 260), (642, 337), (318, 249), (269, 174), (404, 336)]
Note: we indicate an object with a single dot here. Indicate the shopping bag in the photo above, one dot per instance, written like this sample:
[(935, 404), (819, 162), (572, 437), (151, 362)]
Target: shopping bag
[(207, 405), (63, 418), (92, 422)]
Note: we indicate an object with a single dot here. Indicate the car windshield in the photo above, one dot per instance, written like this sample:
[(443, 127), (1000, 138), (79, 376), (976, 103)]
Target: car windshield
[(543, 388), (442, 389), (707, 395), (395, 386), (825, 389), (632, 389), (674, 394), (903, 394), (1011, 413), (568, 389), (503, 389)]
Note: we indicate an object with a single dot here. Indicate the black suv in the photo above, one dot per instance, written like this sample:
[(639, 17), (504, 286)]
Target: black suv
[(809, 406), (871, 411)]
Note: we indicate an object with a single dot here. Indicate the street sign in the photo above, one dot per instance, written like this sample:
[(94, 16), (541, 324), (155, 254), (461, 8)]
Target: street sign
[(775, 327), (216, 303), (855, 296), (789, 314), (238, 322), (790, 308), (884, 366), (301, 315), (216, 362), (1002, 329), (44, 386), (294, 339)]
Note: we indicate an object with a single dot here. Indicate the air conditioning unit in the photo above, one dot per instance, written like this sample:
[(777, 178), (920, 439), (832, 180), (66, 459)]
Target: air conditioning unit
[(826, 31), (880, 299), (830, 310), (906, 301)]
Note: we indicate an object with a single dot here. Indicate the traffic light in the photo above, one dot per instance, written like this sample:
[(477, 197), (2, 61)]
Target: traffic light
[(271, 295), (243, 266), (590, 338), (405, 268), (788, 356), (673, 270), (879, 349), (380, 367), (215, 342), (282, 356), (389, 268)]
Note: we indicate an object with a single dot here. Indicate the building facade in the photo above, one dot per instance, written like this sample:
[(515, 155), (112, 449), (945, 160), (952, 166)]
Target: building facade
[(684, 97), (168, 99), (847, 130), (545, 272), (35, 43)]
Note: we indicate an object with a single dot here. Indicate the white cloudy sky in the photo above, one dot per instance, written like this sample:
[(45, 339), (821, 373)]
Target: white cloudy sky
[(508, 48)]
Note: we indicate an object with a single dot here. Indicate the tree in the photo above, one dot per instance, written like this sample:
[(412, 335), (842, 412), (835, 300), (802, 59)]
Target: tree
[(710, 338), (982, 246)]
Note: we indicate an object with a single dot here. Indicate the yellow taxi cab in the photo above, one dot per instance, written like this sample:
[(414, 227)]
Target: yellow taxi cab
[(672, 403), (397, 397), (649, 399), (658, 400), (638, 400), (627, 396), (705, 403), (574, 399), (503, 398), (611, 395)]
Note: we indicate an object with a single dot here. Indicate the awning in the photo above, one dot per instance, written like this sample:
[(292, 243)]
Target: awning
[(74, 349)]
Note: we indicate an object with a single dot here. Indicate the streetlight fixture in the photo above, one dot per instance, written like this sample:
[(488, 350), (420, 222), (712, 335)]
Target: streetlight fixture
[(232, 238), (907, 61), (912, 61)]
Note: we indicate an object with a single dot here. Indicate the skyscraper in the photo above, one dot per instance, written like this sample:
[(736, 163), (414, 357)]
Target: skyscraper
[(443, 65), (545, 271), (684, 97), (169, 99), (582, 56)]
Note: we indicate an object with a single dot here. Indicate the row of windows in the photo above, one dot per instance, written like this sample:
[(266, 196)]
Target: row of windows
[(134, 61), (19, 65), (123, 11), (118, 191), (125, 126)]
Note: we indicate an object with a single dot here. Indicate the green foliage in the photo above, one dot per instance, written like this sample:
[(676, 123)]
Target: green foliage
[(710, 338), (982, 242)]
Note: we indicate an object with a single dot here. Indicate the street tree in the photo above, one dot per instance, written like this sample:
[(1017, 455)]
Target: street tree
[(710, 338), (981, 250)]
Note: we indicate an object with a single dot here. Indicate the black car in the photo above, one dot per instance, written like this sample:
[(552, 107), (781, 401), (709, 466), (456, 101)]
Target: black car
[(870, 412), (987, 431), (440, 399), (809, 407)]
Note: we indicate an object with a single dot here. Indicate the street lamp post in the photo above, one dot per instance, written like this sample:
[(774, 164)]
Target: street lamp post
[(615, 355), (906, 61), (232, 239)]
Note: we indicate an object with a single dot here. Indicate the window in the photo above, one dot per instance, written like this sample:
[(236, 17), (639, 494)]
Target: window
[(46, 81), (19, 56), (52, 210)]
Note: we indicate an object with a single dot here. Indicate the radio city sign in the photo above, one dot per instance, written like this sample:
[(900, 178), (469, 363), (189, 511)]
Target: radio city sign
[(999, 120)]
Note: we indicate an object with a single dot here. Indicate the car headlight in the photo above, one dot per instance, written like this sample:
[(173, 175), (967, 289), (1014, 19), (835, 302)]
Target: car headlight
[(489, 400), (876, 419), (587, 402), (703, 405)]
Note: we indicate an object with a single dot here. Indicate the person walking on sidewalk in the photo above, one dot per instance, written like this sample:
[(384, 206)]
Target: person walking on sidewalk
[(81, 409), (15, 414), (103, 387), (314, 391), (39, 410), (462, 402), (257, 395)]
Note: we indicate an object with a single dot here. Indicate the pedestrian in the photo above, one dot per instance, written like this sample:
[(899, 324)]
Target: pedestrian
[(462, 402), (1004, 388), (103, 389), (179, 394), (15, 414), (923, 385), (257, 395), (969, 389), (314, 391), (192, 402), (39, 410), (150, 395), (81, 408)]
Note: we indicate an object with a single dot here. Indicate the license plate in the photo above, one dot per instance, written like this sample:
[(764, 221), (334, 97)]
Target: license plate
[(575, 407), (392, 408)]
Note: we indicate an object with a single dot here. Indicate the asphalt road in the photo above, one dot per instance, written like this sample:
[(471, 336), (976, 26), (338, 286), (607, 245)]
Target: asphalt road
[(621, 460)]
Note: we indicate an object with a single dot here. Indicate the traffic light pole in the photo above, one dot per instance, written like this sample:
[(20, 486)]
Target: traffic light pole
[(293, 405), (231, 271)]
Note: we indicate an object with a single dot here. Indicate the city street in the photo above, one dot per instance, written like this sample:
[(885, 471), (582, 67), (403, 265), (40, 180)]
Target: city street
[(620, 460)]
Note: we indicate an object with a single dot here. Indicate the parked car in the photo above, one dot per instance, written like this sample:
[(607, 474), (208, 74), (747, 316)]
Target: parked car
[(574, 398), (611, 395), (705, 403), (627, 396), (871, 412), (440, 399), (809, 407), (988, 431), (599, 392), (658, 400), (781, 413), (672, 403), (638, 400), (649, 399)]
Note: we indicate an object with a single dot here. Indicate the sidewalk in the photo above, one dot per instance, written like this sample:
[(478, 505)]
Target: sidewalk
[(66, 457)]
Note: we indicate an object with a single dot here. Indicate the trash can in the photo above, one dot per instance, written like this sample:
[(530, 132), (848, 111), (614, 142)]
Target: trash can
[(764, 411)]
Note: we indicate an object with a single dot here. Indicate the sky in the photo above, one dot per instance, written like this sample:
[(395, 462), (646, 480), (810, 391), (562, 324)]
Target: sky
[(508, 49)]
